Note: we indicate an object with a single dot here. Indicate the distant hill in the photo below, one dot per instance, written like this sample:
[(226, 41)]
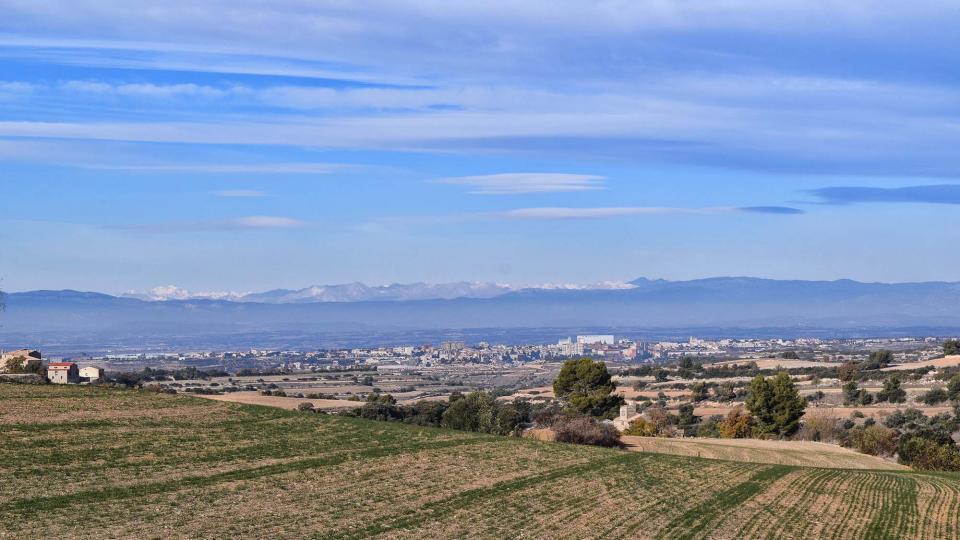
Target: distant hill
[(730, 302)]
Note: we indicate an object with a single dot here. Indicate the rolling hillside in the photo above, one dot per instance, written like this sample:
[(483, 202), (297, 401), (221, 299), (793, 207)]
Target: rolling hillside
[(88, 463)]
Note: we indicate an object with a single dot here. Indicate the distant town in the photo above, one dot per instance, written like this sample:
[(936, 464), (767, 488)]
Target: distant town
[(607, 347)]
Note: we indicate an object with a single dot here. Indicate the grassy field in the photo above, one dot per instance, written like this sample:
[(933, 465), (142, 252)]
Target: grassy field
[(82, 462)]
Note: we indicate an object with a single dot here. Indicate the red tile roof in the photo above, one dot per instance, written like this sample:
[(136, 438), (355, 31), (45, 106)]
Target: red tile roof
[(61, 364)]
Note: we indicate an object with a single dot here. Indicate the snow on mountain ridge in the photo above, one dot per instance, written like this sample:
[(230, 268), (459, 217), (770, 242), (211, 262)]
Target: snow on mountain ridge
[(360, 292)]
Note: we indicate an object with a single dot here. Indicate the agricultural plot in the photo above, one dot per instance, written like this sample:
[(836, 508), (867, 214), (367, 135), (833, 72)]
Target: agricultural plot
[(94, 463), (803, 453), (946, 361)]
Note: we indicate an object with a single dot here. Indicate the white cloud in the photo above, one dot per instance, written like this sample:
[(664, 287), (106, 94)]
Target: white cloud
[(517, 183), (232, 224), (146, 90)]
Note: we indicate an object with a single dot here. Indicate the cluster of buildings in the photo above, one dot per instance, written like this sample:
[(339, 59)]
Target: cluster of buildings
[(31, 361)]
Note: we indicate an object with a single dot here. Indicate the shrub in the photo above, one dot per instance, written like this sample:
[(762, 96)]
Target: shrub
[(875, 440), (305, 406), (934, 396), (737, 425), (641, 427), (819, 426), (892, 391), (878, 360), (925, 454), (586, 430)]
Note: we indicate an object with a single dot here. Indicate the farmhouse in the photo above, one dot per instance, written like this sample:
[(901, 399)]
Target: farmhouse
[(63, 373), (8, 359), (91, 373)]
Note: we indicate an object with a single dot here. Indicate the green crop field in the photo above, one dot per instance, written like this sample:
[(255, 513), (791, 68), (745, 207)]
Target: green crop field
[(97, 463)]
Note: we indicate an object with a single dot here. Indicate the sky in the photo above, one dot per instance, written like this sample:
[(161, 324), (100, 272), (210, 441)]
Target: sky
[(247, 145)]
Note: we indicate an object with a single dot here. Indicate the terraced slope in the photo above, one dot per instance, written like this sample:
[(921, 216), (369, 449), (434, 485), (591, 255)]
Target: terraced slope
[(82, 462)]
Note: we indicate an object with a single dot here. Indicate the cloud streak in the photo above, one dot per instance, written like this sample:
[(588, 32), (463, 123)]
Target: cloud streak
[(247, 223), (521, 183), (931, 194), (561, 213)]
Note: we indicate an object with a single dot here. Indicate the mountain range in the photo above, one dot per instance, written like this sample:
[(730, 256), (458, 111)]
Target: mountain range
[(360, 292), (728, 302)]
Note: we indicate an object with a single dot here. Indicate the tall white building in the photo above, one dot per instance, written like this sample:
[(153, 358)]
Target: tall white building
[(601, 339)]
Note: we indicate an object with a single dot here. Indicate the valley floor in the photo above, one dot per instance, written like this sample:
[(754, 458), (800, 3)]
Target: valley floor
[(84, 462)]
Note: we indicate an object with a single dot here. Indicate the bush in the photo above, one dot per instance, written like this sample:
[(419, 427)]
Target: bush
[(305, 406), (925, 454), (819, 426), (641, 427), (737, 425), (875, 440), (892, 391), (934, 396), (586, 430), (878, 360)]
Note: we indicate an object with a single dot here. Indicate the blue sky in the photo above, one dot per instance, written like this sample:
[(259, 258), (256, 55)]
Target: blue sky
[(241, 145)]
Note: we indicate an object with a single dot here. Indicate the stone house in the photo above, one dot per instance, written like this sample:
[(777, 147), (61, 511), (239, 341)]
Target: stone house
[(63, 373)]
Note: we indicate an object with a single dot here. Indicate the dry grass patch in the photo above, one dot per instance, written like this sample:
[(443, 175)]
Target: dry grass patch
[(801, 453)]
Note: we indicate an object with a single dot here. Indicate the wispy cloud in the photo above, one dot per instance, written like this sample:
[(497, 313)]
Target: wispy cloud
[(225, 168), (234, 224), (621, 211), (784, 210), (239, 193), (932, 194), (518, 183)]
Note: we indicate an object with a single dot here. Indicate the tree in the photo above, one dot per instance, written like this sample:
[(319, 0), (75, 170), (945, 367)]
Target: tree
[(775, 404), (381, 407), (951, 347), (854, 395), (790, 355), (848, 371), (891, 391), (879, 359), (586, 386), (725, 392), (473, 412), (953, 388), (737, 425), (699, 391)]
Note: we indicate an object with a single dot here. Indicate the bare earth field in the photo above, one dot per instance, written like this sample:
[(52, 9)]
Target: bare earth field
[(773, 363), (810, 454), (946, 361), (291, 403), (85, 462)]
